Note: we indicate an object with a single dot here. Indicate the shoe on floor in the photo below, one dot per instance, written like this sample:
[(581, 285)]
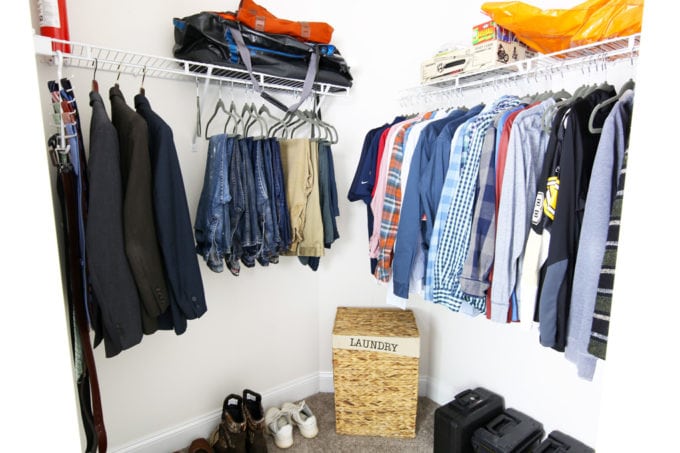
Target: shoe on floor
[(279, 425), (200, 445), (230, 436), (302, 416), (252, 408)]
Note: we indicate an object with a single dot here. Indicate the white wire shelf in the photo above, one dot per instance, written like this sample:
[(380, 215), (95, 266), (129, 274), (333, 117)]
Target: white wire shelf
[(125, 62), (600, 53)]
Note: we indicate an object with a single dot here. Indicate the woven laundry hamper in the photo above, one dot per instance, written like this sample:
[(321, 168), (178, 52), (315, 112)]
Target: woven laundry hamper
[(375, 371)]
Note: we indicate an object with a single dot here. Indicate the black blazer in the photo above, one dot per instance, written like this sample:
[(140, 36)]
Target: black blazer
[(110, 276), (173, 223), (141, 243)]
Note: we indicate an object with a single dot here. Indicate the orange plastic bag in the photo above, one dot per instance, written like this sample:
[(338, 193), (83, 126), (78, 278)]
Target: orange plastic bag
[(258, 18), (552, 30)]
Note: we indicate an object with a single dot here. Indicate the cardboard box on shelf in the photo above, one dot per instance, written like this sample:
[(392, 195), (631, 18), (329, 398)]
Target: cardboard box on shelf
[(495, 53), (445, 64), (489, 31)]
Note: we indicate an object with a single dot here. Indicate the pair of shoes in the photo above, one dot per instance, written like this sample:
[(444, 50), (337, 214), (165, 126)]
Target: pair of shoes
[(280, 422), (280, 426), (302, 417), (241, 429)]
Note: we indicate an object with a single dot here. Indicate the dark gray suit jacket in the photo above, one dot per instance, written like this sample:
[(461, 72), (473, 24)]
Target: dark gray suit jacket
[(112, 283), (173, 224), (141, 243)]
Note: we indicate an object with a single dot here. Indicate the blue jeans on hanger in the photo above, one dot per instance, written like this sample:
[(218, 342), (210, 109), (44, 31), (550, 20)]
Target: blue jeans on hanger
[(264, 211), (237, 207), (249, 229), (271, 190), (280, 197), (213, 227)]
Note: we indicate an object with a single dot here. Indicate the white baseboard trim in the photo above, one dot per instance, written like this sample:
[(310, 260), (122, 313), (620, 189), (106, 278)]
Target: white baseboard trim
[(180, 436)]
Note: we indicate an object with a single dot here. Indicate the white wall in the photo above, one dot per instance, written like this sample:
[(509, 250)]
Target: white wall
[(270, 328), (37, 391)]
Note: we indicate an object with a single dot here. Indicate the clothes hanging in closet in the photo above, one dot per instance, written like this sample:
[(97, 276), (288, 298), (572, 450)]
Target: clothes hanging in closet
[(594, 268), (263, 198), (173, 225), (137, 267), (68, 156), (576, 160), (475, 196), (141, 241), (110, 275)]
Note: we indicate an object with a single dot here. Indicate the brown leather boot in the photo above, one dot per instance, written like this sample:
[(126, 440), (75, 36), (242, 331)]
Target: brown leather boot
[(252, 406), (231, 434)]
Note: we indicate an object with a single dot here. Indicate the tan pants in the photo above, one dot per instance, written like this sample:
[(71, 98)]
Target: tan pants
[(300, 161)]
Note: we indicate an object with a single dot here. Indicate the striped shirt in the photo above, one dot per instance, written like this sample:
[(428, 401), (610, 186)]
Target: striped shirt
[(377, 203), (455, 237), (392, 201), (599, 335)]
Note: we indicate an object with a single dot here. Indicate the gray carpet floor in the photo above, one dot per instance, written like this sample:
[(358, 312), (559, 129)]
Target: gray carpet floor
[(328, 441), (323, 406)]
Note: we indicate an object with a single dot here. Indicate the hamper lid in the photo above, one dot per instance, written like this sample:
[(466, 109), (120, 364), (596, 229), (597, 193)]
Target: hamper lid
[(378, 322)]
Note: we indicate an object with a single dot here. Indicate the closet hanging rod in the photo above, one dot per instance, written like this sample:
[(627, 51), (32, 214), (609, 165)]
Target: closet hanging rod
[(114, 60), (584, 57)]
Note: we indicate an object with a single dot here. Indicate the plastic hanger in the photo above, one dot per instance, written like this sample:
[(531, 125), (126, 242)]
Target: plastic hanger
[(255, 118), (218, 106), (629, 85), (233, 114), (264, 110)]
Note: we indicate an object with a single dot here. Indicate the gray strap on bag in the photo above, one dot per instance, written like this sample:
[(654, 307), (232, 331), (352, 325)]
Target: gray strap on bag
[(306, 87)]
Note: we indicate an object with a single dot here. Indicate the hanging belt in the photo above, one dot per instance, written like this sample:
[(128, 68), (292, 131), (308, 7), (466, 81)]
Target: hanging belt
[(88, 384)]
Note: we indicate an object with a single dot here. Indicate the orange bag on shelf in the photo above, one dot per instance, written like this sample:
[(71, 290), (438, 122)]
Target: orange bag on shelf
[(553, 30), (258, 18)]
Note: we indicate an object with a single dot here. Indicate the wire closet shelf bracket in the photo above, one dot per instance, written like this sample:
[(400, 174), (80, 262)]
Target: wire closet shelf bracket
[(544, 65), (124, 62)]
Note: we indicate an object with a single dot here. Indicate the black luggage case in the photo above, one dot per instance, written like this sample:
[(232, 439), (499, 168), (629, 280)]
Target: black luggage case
[(455, 421), (558, 442), (510, 432)]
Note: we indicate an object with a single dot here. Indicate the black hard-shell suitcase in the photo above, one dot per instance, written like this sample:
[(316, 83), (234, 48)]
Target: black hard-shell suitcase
[(558, 442), (510, 432), (455, 421)]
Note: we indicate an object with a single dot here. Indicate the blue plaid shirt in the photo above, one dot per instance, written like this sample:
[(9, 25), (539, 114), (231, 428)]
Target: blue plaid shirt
[(455, 236), (445, 201)]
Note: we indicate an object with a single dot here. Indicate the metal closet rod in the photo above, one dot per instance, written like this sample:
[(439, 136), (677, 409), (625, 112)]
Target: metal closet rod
[(125, 62), (586, 56)]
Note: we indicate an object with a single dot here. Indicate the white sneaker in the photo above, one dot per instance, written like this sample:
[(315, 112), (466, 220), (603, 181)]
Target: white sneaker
[(279, 425), (303, 417)]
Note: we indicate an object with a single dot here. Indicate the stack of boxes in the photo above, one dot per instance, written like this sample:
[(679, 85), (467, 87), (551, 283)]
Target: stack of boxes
[(492, 47)]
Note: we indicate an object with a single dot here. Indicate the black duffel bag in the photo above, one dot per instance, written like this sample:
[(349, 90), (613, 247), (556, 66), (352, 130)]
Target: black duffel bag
[(214, 38)]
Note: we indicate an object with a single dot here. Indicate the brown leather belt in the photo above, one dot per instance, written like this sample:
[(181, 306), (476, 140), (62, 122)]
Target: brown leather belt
[(88, 384)]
